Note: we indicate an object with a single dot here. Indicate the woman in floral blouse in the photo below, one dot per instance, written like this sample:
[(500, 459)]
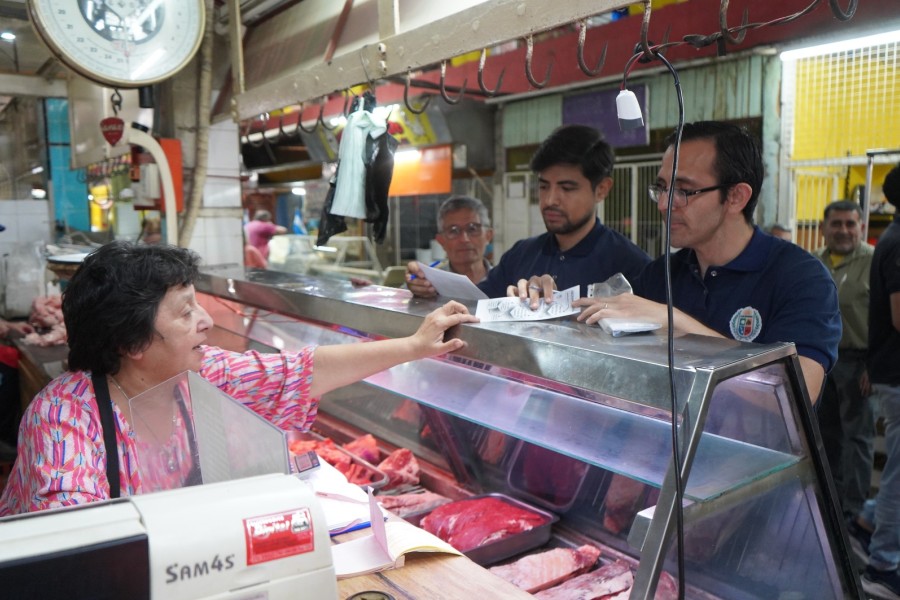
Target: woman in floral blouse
[(133, 322)]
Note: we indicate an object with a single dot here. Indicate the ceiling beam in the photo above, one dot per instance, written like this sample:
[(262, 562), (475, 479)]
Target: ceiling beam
[(474, 28), (32, 85)]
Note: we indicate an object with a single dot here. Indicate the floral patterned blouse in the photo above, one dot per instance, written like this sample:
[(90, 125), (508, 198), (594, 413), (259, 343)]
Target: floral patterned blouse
[(61, 456)]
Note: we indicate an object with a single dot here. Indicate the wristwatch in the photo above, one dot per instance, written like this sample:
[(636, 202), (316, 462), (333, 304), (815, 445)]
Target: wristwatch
[(121, 43)]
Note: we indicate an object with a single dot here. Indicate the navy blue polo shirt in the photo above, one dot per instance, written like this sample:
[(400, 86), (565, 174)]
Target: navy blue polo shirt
[(600, 255), (773, 291)]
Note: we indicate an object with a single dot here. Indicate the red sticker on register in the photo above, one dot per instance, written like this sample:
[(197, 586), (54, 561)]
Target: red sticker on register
[(270, 537)]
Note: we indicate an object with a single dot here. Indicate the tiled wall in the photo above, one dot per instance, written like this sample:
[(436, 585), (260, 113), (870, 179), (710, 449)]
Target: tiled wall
[(27, 223), (218, 236)]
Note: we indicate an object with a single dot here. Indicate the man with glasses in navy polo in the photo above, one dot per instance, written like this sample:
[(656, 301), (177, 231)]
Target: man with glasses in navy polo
[(729, 278)]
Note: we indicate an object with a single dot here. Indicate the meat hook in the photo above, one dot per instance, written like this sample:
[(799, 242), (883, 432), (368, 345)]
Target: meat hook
[(723, 24), (284, 134), (444, 94), (484, 89), (262, 137), (321, 119), (417, 110), (529, 54), (645, 33), (300, 121), (582, 37), (839, 13)]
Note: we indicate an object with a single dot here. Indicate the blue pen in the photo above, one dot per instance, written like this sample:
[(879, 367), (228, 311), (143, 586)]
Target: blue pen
[(434, 264)]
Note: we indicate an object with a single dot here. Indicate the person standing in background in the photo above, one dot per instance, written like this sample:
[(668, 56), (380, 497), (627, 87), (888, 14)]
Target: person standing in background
[(464, 231), (845, 415), (883, 511), (781, 231), (261, 229)]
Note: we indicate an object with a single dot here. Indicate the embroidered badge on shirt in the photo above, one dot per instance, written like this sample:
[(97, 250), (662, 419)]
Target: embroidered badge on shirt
[(745, 324)]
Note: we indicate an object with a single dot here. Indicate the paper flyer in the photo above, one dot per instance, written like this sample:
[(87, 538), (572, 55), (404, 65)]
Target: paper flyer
[(514, 309), (451, 285)]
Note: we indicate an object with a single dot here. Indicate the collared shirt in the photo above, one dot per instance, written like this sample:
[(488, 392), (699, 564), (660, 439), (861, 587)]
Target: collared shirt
[(773, 291), (62, 455), (600, 255), (851, 276), (445, 265), (884, 339)]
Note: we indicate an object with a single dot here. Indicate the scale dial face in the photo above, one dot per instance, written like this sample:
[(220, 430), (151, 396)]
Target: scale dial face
[(121, 43)]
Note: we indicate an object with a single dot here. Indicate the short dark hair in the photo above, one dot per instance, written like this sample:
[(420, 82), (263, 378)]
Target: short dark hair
[(111, 302), (455, 203), (891, 186), (577, 145), (842, 206), (738, 156)]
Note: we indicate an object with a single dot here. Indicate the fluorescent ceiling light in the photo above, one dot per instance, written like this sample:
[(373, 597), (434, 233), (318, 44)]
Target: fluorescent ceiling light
[(843, 46)]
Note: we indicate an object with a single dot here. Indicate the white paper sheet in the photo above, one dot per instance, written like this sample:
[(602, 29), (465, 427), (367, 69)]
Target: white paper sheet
[(452, 285), (514, 309)]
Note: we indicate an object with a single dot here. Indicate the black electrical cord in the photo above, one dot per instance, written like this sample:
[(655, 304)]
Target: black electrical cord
[(676, 452)]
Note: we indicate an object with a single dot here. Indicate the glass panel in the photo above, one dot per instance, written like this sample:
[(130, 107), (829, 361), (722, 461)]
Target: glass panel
[(770, 546)]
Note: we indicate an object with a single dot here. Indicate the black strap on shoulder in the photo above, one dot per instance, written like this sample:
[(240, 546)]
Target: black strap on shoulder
[(104, 403)]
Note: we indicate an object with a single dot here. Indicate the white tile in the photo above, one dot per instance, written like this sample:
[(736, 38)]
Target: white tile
[(222, 193)]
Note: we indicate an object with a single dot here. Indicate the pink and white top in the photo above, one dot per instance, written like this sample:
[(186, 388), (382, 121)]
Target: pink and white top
[(61, 456)]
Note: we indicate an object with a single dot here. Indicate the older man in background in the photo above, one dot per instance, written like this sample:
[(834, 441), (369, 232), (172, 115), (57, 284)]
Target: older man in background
[(464, 232), (846, 419)]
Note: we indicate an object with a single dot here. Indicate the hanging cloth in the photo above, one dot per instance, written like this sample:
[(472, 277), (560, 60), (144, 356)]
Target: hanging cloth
[(350, 191)]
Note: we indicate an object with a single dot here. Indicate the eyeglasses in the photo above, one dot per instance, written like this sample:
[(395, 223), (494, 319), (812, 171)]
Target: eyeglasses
[(680, 199), (473, 230)]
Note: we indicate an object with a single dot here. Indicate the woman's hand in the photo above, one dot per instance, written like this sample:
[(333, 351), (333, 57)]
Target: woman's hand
[(429, 338), (18, 328)]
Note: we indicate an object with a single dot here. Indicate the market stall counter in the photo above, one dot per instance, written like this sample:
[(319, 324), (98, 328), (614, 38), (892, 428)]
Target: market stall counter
[(564, 417)]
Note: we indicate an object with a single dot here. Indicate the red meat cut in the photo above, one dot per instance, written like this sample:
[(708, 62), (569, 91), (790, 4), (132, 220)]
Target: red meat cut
[(401, 467), (365, 447), (536, 572), (468, 524)]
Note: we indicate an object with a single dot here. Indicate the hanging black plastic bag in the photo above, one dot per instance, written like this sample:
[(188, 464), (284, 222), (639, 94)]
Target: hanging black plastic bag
[(330, 224), (379, 172)]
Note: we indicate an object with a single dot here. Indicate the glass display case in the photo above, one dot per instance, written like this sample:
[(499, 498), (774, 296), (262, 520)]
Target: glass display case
[(578, 422)]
